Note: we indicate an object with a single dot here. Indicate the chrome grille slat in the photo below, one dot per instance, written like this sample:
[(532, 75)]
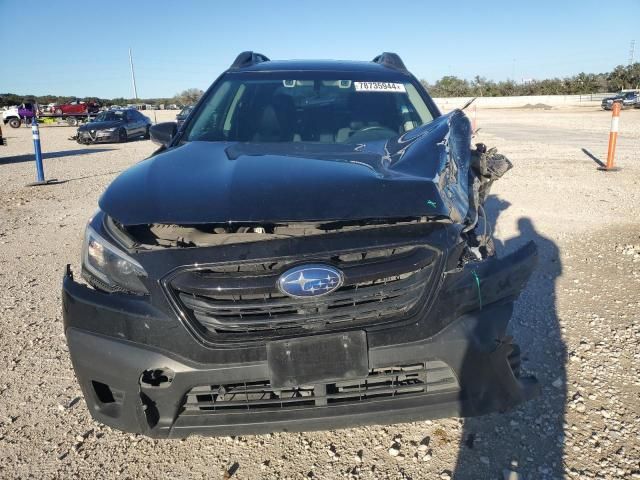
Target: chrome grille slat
[(376, 289), (371, 310), (206, 306)]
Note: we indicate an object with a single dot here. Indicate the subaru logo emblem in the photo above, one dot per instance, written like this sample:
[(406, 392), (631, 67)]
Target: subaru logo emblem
[(310, 281)]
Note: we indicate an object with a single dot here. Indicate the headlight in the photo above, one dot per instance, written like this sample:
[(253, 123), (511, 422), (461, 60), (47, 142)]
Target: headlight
[(106, 266)]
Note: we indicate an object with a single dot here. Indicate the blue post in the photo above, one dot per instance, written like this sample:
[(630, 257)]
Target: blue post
[(36, 147)]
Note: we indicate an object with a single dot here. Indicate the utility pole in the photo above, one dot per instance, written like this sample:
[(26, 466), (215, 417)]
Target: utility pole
[(133, 76), (632, 51)]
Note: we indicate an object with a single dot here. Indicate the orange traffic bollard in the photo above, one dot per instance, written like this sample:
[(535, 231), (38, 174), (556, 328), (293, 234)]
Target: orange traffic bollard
[(613, 137)]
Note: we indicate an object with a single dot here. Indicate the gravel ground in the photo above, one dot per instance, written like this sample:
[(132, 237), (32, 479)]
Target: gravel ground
[(578, 324)]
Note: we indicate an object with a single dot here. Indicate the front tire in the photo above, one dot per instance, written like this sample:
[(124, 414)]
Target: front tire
[(122, 135), (14, 122), (58, 111)]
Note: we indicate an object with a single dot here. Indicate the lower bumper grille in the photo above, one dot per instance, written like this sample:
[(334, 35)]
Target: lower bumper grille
[(381, 383)]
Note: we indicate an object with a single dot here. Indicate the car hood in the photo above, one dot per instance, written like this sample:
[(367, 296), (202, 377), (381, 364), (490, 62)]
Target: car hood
[(10, 112), (422, 173), (100, 125)]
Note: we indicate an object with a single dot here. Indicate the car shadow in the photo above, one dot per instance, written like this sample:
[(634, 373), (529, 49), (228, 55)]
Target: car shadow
[(85, 177), (115, 142), (30, 157), (529, 439)]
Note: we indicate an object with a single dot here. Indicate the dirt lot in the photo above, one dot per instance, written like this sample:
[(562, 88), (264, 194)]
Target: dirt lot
[(578, 323)]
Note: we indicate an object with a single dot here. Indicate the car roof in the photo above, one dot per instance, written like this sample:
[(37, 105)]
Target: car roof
[(350, 66)]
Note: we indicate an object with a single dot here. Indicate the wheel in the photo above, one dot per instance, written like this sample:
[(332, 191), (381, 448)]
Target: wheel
[(147, 135), (72, 122), (58, 111), (14, 123), (122, 135)]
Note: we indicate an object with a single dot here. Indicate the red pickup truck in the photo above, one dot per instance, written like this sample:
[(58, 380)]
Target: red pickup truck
[(76, 107)]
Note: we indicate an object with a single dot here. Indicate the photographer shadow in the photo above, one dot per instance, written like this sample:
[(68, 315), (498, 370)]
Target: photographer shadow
[(528, 439)]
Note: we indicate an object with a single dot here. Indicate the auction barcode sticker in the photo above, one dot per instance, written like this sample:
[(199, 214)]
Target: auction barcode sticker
[(379, 87)]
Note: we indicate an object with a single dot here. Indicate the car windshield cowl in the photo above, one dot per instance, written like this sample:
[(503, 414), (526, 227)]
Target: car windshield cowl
[(309, 107)]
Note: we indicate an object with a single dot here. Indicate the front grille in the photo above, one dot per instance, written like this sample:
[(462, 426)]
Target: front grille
[(241, 299), (361, 301), (382, 383)]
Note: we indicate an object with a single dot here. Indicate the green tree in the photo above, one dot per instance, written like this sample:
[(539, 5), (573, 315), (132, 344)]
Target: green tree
[(618, 78), (451, 86), (188, 96)]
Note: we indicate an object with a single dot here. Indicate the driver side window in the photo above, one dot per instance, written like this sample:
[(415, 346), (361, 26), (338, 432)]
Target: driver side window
[(207, 125)]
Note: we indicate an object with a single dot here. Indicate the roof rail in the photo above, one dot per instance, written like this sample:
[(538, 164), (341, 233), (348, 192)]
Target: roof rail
[(390, 60), (247, 59)]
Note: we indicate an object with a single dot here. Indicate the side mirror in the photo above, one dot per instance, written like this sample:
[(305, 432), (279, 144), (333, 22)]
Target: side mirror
[(162, 133)]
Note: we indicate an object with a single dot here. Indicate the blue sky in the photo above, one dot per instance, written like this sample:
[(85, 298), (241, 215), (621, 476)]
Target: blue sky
[(81, 47)]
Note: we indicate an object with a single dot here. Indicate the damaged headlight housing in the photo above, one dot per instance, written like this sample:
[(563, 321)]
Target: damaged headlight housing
[(107, 267)]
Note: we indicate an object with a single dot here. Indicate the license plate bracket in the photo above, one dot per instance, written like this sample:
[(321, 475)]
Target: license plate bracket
[(318, 359)]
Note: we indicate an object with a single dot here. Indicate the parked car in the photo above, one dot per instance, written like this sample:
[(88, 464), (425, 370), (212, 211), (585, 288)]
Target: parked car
[(308, 252), (14, 116), (114, 126), (76, 107), (182, 116), (47, 108), (626, 99)]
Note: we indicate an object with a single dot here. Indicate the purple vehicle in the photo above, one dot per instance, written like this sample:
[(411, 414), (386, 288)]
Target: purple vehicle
[(16, 115)]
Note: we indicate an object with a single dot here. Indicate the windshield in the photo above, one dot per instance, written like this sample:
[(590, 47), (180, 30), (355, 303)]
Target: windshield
[(109, 116), (309, 110)]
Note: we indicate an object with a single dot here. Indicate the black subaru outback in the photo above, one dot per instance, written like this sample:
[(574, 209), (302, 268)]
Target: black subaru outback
[(308, 251)]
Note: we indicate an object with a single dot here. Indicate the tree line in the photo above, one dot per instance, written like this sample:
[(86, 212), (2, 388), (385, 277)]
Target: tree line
[(186, 97), (448, 86), (619, 78)]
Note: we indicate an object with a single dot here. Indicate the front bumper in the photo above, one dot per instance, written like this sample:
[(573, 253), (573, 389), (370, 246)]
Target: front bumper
[(86, 137), (132, 384)]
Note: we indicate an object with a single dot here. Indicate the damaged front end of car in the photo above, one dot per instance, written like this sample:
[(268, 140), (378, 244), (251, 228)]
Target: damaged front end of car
[(218, 341)]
